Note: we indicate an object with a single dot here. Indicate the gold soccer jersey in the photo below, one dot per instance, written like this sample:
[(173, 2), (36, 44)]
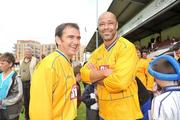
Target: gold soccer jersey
[(53, 89), (118, 98), (143, 74)]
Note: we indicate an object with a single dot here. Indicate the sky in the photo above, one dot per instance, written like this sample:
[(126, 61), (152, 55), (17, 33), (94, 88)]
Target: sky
[(37, 19)]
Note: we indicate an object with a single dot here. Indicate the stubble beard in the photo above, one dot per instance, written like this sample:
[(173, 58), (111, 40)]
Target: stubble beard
[(108, 37)]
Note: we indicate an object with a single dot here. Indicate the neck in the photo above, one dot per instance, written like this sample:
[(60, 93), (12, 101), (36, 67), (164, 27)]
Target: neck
[(171, 83), (109, 42), (64, 54), (171, 88), (6, 73), (27, 59)]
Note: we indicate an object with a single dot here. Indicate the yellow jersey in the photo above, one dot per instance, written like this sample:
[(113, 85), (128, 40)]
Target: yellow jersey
[(143, 74), (118, 98), (53, 94)]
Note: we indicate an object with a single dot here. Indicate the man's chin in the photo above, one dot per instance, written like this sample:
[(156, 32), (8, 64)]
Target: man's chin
[(107, 39), (73, 53)]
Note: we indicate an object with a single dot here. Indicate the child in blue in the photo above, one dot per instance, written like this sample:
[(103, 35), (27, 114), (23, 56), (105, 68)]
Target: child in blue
[(166, 71), (89, 97), (10, 89)]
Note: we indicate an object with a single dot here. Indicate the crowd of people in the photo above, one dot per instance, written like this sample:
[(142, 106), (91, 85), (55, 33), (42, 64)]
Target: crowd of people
[(120, 82)]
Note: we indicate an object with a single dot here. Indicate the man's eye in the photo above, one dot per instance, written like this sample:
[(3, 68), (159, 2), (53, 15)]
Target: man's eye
[(101, 24), (110, 23), (70, 36)]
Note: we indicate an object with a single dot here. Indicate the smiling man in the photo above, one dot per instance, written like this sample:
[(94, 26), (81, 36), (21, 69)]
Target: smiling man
[(53, 87), (112, 66)]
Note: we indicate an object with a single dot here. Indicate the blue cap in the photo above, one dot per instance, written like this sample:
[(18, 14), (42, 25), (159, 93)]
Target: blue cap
[(163, 76)]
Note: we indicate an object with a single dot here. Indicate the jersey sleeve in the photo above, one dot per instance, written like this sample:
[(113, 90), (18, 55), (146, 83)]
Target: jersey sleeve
[(123, 70), (41, 93)]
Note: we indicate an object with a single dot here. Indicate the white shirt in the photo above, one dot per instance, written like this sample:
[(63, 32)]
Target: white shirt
[(95, 105), (166, 106)]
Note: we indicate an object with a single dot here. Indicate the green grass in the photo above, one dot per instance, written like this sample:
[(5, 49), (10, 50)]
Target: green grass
[(81, 115), (81, 112), (21, 116)]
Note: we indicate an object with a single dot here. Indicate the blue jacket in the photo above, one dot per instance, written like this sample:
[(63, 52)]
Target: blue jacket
[(86, 98)]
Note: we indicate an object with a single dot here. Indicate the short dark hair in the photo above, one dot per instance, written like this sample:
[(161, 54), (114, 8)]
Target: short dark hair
[(59, 29), (9, 57), (77, 69), (163, 66), (144, 51)]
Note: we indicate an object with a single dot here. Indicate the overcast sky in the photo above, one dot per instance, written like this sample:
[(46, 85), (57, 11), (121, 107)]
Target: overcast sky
[(37, 19)]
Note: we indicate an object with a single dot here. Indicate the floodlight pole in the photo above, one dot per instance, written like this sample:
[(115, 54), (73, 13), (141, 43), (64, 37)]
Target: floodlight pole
[(97, 23)]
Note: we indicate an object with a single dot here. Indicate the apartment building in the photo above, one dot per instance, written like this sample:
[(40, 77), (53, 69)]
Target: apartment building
[(22, 44), (47, 48)]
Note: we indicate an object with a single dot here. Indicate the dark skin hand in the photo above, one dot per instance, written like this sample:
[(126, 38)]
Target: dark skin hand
[(98, 75)]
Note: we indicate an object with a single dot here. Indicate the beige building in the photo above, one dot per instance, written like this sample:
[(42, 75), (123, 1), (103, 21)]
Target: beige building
[(78, 58), (21, 44), (38, 49), (47, 48)]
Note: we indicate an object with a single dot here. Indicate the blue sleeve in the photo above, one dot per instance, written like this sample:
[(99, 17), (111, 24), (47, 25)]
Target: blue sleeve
[(86, 96)]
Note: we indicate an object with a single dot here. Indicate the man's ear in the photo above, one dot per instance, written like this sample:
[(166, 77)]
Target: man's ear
[(117, 26), (11, 64), (58, 41)]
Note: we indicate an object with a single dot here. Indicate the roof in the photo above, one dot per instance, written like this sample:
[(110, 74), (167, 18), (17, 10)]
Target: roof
[(125, 10), (165, 20)]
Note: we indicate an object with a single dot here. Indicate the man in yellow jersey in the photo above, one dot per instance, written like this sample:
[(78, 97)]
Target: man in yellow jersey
[(112, 66), (145, 84), (144, 54), (142, 71), (176, 49), (53, 87)]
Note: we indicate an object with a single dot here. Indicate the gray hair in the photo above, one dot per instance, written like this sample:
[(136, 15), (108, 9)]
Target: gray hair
[(28, 48)]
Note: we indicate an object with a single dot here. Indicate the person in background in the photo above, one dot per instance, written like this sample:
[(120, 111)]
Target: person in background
[(112, 67), (78, 79), (166, 71), (43, 56), (176, 49), (53, 86), (0, 69), (142, 71), (144, 54), (27, 66), (89, 97), (10, 89), (145, 84)]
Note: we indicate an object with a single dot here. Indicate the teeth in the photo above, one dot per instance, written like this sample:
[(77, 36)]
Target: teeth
[(74, 47)]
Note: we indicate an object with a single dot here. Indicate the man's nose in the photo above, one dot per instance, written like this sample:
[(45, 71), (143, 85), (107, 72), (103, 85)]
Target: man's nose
[(76, 41), (106, 26)]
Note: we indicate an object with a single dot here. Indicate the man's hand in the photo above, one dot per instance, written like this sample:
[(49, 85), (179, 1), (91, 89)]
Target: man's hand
[(96, 74), (92, 67), (107, 72)]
